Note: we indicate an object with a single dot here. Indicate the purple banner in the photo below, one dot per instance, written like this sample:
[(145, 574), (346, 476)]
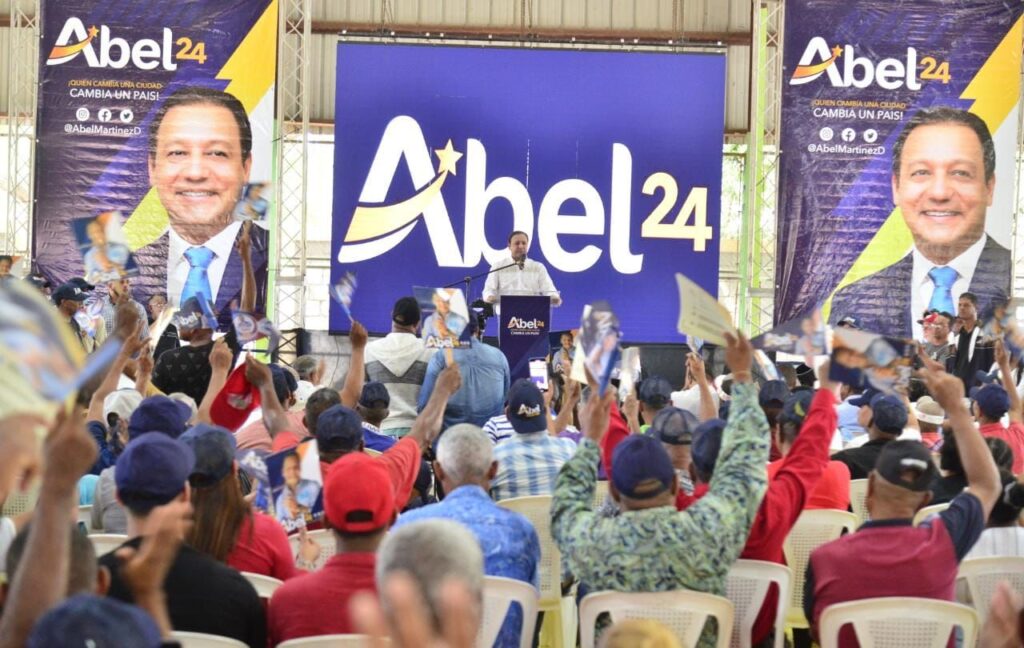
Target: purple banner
[(523, 331), (932, 84), (162, 112)]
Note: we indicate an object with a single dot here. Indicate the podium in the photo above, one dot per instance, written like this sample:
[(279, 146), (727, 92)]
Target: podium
[(523, 326)]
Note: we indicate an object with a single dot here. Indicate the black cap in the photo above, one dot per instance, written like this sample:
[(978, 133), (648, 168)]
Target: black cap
[(68, 291), (849, 322), (406, 312), (374, 395), (795, 409), (674, 426), (655, 391), (907, 464)]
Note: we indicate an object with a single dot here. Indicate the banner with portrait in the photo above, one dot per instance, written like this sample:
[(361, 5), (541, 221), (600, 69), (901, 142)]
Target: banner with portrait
[(160, 115), (898, 146)]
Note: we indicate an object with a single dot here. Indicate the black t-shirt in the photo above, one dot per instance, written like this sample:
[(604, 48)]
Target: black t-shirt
[(861, 461), (187, 369), (203, 595)]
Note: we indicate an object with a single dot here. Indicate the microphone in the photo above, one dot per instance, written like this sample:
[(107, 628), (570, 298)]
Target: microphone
[(521, 263)]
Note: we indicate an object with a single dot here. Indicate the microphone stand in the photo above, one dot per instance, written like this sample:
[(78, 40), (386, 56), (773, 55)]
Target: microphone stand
[(468, 279)]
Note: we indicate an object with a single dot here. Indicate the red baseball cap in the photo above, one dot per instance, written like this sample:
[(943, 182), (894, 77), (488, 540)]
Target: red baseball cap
[(358, 494), (236, 401)]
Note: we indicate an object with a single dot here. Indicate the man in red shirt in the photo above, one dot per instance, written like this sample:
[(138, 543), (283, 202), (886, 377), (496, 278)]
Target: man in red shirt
[(991, 402), (359, 506)]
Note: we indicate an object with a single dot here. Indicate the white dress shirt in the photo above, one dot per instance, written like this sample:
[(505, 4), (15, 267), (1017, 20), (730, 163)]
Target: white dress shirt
[(531, 279), (922, 286), (177, 265)]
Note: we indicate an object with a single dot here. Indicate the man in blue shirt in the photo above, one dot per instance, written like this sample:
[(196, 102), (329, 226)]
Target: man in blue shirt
[(485, 380), (465, 467)]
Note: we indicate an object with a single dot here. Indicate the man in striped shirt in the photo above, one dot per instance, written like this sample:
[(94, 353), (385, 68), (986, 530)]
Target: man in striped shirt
[(529, 461)]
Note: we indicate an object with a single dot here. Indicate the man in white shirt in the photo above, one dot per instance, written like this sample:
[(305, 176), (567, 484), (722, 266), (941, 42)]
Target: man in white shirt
[(943, 179), (526, 277)]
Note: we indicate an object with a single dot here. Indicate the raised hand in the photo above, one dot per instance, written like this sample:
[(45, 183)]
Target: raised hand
[(256, 372), (739, 356), (595, 415), (695, 367), (449, 380), (358, 336), (221, 357), (946, 389)]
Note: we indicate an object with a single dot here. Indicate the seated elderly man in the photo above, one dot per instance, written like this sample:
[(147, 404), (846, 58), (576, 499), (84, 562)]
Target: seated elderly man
[(652, 547), (465, 467)]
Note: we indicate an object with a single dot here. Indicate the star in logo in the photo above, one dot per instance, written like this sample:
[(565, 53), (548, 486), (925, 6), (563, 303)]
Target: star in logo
[(837, 52), (447, 157), (93, 32)]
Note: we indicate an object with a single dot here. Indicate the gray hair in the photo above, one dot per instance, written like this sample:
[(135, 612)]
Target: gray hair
[(431, 552), (465, 452), (305, 366)]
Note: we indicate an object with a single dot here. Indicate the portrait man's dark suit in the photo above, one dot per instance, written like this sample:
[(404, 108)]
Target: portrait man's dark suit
[(882, 302), (152, 262)]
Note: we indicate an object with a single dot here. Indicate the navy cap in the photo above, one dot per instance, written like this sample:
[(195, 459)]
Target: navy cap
[(284, 382), (983, 378), (152, 471), (81, 283), (374, 395), (773, 393), (159, 414), (907, 464), (707, 441), (992, 400), (865, 397), (654, 391), (339, 429), (796, 407), (70, 291), (214, 448), (888, 414), (673, 426), (526, 407), (97, 622), (641, 468), (406, 312)]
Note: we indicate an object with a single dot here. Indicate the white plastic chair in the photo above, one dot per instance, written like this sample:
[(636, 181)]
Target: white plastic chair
[(859, 499), (537, 509), (104, 543), (330, 641), (983, 574), (812, 529), (21, 502), (264, 585), (85, 515), (746, 586), (682, 611), (899, 622), (499, 595), (322, 537), (600, 493), (929, 511), (200, 640)]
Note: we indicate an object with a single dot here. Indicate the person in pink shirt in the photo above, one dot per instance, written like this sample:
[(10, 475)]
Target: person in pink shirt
[(226, 526)]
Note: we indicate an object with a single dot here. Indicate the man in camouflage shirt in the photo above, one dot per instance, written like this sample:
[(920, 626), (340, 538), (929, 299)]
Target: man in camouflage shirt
[(651, 547)]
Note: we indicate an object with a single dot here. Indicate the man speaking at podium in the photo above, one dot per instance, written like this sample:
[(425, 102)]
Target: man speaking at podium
[(517, 275)]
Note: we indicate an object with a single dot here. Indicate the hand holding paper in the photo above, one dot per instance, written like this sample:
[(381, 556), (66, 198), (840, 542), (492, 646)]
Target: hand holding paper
[(700, 314)]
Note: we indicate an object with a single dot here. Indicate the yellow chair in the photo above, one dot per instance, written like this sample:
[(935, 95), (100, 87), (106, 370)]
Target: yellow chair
[(929, 511), (859, 499), (981, 576)]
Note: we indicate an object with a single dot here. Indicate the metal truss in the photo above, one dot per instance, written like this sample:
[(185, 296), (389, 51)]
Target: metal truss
[(288, 269), (22, 58), (1017, 290), (758, 233)]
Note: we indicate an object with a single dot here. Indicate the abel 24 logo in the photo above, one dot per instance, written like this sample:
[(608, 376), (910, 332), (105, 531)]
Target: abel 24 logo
[(101, 49), (377, 227), (860, 71)]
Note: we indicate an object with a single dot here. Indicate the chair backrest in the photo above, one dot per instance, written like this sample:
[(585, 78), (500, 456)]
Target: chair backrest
[(812, 529), (983, 574), (682, 611), (746, 586), (264, 585), (499, 595), (104, 543), (200, 640), (537, 509), (322, 537), (21, 501), (85, 515), (929, 511), (859, 499), (330, 641), (899, 622), (600, 493)]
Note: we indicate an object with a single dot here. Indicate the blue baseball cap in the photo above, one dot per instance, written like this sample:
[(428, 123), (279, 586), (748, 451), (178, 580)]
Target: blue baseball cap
[(673, 426), (526, 407), (159, 414), (773, 392), (865, 397), (707, 441), (654, 391), (888, 414), (214, 449), (339, 429), (152, 471), (641, 468), (796, 407), (95, 621), (992, 400), (375, 394), (284, 382)]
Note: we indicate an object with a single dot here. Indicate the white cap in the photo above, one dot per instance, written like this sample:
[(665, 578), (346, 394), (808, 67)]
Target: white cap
[(121, 402)]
